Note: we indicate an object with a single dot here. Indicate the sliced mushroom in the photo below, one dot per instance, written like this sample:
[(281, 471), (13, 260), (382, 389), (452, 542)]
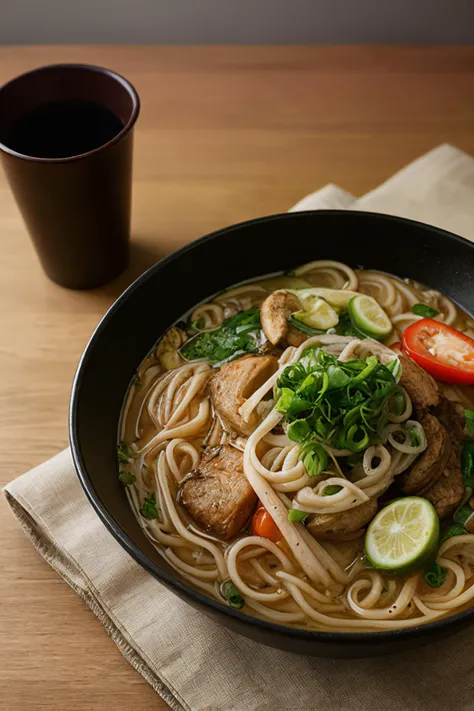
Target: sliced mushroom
[(274, 315), (234, 383)]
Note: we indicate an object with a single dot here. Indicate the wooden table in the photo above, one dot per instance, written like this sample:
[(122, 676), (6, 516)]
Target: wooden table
[(225, 134)]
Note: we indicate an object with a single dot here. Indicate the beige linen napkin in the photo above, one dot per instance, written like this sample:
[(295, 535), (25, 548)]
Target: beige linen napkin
[(193, 662)]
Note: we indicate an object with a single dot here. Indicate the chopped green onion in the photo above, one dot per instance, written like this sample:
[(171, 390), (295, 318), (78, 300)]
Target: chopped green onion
[(124, 452), (127, 478), (285, 400), (414, 437), (315, 458), (424, 310), (149, 509), (436, 575), (331, 490), (469, 415), (462, 515), (399, 404), (467, 463), (298, 430), (304, 328), (297, 515), (356, 438), (232, 595)]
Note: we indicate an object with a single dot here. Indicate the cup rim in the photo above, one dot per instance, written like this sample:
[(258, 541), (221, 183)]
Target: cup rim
[(126, 84)]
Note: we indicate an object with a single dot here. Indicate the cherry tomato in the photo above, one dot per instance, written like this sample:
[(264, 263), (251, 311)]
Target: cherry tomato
[(263, 525), (444, 352)]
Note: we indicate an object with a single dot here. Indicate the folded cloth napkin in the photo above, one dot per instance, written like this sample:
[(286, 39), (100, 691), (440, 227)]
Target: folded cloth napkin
[(193, 662)]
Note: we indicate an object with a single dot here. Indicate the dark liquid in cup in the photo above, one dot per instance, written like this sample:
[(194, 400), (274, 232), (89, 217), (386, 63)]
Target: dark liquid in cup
[(60, 129)]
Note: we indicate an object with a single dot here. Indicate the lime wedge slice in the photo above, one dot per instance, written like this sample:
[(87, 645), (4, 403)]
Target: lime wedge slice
[(338, 298), (369, 317), (320, 316), (403, 537)]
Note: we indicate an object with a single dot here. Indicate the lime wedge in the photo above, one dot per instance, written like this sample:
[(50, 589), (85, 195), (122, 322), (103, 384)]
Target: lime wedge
[(320, 316), (338, 298), (369, 317), (403, 537)]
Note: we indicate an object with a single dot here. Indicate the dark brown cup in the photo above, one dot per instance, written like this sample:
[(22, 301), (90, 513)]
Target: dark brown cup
[(77, 208)]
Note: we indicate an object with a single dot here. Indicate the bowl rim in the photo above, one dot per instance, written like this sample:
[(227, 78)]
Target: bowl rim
[(171, 581)]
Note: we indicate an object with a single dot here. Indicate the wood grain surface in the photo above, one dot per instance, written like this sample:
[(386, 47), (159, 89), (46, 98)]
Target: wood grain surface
[(225, 134)]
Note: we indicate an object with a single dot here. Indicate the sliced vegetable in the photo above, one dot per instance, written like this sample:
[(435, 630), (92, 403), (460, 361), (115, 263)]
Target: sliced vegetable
[(304, 328), (469, 415), (329, 402), (424, 310), (232, 594), (467, 463), (436, 575), (320, 316), (296, 515), (403, 537), (314, 457), (414, 437), (338, 298), (331, 490), (444, 352), (239, 334), (124, 452), (263, 525), (149, 509), (127, 478), (369, 317), (465, 517)]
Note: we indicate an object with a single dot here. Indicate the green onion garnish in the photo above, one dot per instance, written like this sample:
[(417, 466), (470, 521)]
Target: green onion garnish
[(424, 310), (436, 575), (127, 478), (414, 437), (331, 490), (232, 595), (149, 509), (297, 515), (124, 452)]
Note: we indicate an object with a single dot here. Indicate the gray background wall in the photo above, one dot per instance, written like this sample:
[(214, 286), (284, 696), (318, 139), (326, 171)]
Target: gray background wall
[(236, 21)]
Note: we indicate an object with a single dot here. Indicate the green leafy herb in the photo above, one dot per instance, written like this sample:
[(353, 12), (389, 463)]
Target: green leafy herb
[(469, 415), (127, 478), (339, 404), (297, 515), (398, 403), (314, 457), (304, 328), (232, 595), (462, 514), (467, 463), (345, 327), (414, 437), (149, 509), (298, 430), (239, 334), (436, 575), (454, 530), (331, 490), (124, 452), (425, 311)]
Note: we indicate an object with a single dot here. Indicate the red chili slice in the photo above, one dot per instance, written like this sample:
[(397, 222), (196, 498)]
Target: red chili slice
[(444, 352)]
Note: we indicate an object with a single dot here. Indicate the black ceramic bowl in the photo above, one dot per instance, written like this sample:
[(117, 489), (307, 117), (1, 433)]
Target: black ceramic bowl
[(170, 288)]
